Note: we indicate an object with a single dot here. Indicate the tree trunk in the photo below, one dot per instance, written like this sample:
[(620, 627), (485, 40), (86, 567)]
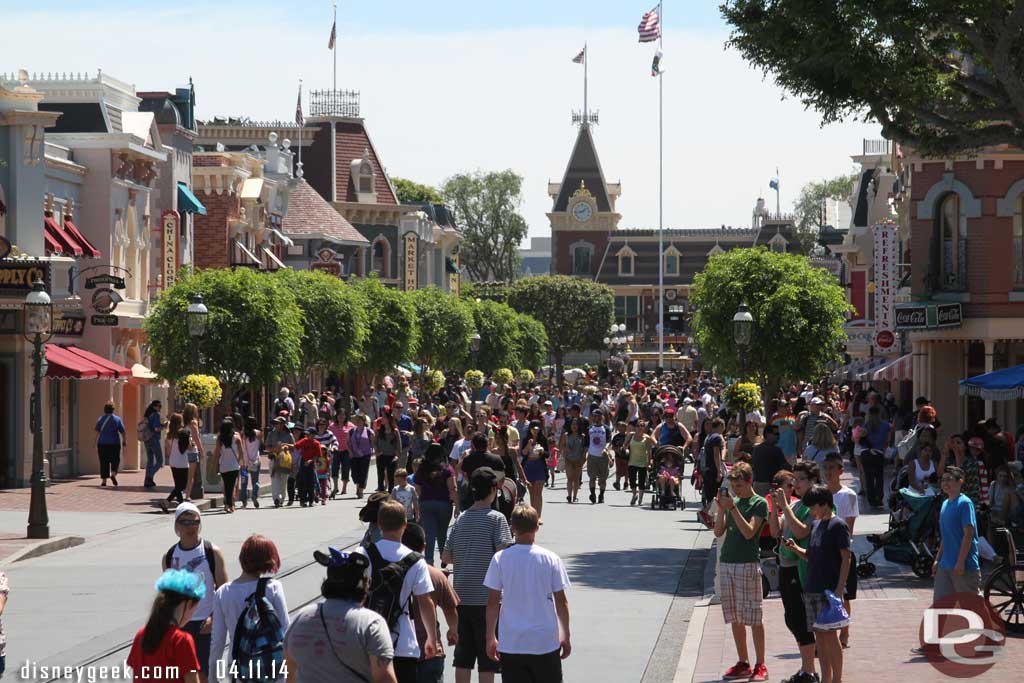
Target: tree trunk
[(559, 357)]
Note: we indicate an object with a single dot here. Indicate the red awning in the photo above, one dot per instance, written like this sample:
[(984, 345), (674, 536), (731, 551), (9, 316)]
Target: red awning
[(69, 247), (71, 362), (74, 233), (52, 245)]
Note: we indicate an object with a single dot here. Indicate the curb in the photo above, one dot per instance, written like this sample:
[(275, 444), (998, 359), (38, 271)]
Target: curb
[(43, 547)]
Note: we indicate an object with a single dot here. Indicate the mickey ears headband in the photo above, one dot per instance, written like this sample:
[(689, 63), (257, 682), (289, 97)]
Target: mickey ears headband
[(338, 559)]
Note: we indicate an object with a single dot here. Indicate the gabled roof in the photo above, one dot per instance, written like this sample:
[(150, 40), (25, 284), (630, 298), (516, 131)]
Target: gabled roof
[(583, 165), (352, 140), (309, 216)]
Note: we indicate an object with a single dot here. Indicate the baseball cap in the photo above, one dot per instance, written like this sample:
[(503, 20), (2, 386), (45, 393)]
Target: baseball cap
[(816, 401), (310, 430), (976, 442), (483, 480), (687, 401), (548, 403), (280, 420), (670, 411), (183, 508)]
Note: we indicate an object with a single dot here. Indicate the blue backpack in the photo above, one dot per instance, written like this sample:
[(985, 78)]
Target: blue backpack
[(257, 649)]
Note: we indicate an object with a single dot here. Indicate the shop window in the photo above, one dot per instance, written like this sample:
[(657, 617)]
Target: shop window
[(581, 256), (952, 242), (1018, 243)]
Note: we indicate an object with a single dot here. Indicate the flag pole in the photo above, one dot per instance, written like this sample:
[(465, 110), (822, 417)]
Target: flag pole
[(778, 203), (585, 60), (302, 124), (334, 51), (661, 226)]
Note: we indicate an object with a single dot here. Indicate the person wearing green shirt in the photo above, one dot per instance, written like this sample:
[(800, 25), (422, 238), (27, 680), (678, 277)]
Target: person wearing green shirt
[(738, 528), (790, 519), (639, 444)]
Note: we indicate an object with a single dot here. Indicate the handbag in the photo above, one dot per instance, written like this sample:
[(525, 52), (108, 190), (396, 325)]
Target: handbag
[(833, 615)]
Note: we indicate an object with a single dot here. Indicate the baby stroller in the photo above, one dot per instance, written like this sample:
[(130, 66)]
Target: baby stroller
[(912, 537), (510, 493), (672, 497)]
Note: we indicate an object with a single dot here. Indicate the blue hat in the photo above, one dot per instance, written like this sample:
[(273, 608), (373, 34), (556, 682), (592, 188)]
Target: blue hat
[(183, 582), (310, 430)]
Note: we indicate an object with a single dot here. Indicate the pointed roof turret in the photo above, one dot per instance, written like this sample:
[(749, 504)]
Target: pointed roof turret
[(584, 166)]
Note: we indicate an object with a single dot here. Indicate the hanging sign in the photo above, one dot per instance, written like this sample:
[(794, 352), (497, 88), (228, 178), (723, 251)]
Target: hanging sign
[(69, 324), (410, 260), (326, 262), (104, 320), (112, 280), (105, 300), (170, 224), (885, 259)]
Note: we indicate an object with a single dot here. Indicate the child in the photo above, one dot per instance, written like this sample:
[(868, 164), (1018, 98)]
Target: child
[(309, 450), (406, 495), (552, 466), (621, 455), (669, 472), (322, 464)]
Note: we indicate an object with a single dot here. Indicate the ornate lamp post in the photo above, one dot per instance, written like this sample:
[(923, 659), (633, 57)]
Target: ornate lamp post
[(38, 327), (197, 316), (742, 332), (474, 352)]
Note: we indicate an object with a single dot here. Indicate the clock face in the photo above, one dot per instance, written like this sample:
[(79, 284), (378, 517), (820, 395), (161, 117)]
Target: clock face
[(582, 212)]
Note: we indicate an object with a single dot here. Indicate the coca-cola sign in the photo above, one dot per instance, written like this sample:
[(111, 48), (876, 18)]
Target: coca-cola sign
[(949, 315), (911, 317)]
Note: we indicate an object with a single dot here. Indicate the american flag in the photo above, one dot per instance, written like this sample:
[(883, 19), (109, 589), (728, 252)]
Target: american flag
[(578, 59), (334, 34), (650, 26), (298, 108)]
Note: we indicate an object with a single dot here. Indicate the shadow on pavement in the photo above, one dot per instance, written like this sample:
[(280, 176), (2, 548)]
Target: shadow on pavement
[(653, 570)]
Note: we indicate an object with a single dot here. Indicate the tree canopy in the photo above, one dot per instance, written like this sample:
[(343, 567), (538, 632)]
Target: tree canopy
[(253, 331), (409, 191), (576, 313), (334, 320), (498, 327), (810, 207), (798, 311), (392, 331), (533, 343), (446, 324), (492, 228), (938, 75)]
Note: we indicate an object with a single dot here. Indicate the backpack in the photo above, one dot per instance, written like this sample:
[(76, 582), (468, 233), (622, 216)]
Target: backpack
[(257, 648), (281, 405), (386, 578), (211, 558), (143, 432)]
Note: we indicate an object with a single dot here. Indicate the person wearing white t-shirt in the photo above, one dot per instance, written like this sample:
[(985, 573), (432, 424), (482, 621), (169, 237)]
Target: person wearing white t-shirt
[(392, 521), (527, 586), (847, 509)]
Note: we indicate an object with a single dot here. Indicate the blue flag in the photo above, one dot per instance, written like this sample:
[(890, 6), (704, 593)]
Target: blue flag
[(774, 184)]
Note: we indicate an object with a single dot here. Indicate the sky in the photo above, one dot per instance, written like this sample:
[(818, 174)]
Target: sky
[(453, 86)]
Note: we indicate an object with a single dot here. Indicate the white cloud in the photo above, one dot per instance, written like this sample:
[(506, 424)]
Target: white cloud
[(440, 103)]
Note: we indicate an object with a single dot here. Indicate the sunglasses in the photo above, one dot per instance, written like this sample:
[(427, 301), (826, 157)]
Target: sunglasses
[(189, 522)]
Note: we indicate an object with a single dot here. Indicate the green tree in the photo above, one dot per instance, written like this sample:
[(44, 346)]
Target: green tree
[(576, 313), (533, 343), (392, 330), (798, 311), (498, 327), (334, 321), (253, 331), (940, 76), (446, 324), (810, 207), (487, 205), (409, 191)]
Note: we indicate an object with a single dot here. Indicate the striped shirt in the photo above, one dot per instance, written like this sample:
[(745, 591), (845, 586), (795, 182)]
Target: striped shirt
[(476, 536), (327, 441)]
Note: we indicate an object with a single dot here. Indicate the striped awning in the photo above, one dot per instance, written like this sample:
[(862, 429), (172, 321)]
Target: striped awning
[(896, 370)]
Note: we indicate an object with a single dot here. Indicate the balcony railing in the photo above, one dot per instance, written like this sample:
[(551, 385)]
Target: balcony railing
[(334, 103), (877, 146)]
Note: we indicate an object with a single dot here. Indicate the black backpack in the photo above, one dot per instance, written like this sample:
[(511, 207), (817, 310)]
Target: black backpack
[(211, 558), (385, 594)]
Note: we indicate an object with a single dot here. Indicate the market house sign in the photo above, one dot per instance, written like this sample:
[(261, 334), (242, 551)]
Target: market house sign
[(17, 278)]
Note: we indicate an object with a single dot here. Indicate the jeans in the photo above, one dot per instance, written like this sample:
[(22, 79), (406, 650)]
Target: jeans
[(229, 479), (279, 486), (386, 465), (874, 475), (430, 670), (248, 476), (180, 475), (110, 459), (154, 460), (436, 514)]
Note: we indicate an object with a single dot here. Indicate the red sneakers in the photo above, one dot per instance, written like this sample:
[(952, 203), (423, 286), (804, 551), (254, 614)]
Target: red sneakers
[(760, 673), (738, 671)]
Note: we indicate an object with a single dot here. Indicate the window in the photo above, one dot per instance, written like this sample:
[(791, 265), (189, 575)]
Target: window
[(1018, 243), (379, 258), (365, 178), (627, 311), (952, 235), (671, 261), (627, 260), (581, 257)]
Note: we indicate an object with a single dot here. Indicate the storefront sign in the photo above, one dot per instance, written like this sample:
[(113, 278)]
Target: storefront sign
[(113, 280), (410, 260), (327, 262), (69, 324), (105, 300), (913, 317), (170, 223), (885, 259), (949, 315), (929, 315), (859, 337), (17, 278), (104, 320)]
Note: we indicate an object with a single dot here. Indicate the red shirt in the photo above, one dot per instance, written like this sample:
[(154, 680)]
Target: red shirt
[(175, 650), (309, 449)]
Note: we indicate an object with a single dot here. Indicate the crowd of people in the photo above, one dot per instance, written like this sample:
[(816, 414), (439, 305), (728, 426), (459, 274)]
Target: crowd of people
[(770, 477)]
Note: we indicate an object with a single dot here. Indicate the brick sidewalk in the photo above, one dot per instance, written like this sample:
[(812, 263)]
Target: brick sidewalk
[(84, 494)]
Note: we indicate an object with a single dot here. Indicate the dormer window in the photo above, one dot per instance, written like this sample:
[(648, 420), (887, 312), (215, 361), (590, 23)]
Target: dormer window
[(627, 261), (363, 180), (778, 244), (671, 257)]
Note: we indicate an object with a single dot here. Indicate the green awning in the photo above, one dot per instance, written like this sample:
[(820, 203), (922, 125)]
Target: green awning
[(187, 202)]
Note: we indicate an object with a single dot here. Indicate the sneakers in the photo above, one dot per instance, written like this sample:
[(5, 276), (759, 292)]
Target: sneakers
[(255, 503), (616, 485), (593, 497), (760, 673), (737, 671), (802, 677)]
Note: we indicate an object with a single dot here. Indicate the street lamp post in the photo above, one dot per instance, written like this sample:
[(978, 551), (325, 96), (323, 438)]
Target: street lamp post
[(474, 352), (616, 342), (38, 327), (742, 331), (197, 316)]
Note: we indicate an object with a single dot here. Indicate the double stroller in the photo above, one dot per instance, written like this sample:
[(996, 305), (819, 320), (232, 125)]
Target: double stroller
[(913, 534)]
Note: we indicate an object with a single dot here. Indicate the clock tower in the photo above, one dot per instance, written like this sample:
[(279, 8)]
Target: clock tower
[(583, 210)]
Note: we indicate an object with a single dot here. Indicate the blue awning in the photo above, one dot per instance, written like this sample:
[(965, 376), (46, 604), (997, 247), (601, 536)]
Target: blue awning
[(412, 366), (187, 202), (1000, 385)]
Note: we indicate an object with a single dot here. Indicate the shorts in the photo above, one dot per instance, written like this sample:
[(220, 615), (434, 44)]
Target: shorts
[(946, 583), (741, 592), (813, 604), (472, 646), (530, 668), (621, 467), (597, 468), (192, 457), (202, 641)]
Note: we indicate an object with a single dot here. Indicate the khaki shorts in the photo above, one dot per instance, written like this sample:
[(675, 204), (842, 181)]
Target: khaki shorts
[(740, 584), (597, 468)]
